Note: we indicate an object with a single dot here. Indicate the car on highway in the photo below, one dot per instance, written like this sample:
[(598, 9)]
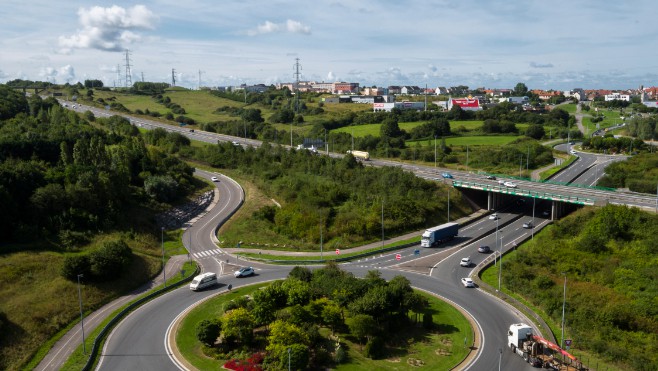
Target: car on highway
[(467, 282), (528, 224), (494, 216), (509, 184), (215, 179), (447, 175), (490, 177), (465, 262), (501, 182), (235, 143), (484, 249), (244, 272)]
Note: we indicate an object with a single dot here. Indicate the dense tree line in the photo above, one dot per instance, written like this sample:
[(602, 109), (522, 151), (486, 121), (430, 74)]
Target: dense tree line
[(644, 128), (611, 145), (609, 258), (292, 311), (60, 174), (638, 173)]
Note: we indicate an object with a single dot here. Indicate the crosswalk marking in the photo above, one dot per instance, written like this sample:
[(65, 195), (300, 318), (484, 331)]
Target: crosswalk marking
[(206, 253)]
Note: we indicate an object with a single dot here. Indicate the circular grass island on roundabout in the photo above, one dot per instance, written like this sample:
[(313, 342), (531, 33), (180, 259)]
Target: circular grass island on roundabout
[(324, 319)]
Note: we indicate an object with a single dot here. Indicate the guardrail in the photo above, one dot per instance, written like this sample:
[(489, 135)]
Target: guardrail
[(548, 181), (119, 316), (524, 192)]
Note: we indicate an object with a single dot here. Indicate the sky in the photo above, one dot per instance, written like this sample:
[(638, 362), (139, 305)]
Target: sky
[(559, 45)]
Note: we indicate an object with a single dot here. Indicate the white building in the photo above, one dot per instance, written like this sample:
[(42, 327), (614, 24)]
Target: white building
[(617, 96), (387, 107)]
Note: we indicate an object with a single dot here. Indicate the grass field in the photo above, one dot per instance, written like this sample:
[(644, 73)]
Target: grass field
[(441, 349), (478, 140)]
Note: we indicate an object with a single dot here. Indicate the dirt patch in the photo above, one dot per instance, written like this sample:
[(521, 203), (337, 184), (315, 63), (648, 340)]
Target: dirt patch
[(415, 362)]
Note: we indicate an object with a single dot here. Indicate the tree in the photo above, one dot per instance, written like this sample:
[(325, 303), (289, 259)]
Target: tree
[(535, 131), (161, 188), (362, 326), (75, 265), (332, 316), (301, 273), (520, 90), (110, 259), (390, 128), (207, 331), (298, 292), (238, 325)]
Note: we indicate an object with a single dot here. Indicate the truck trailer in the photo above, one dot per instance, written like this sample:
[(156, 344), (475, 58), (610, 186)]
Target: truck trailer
[(360, 155), (538, 351), (439, 234)]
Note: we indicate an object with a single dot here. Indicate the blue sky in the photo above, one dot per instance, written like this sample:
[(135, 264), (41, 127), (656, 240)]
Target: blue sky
[(489, 43)]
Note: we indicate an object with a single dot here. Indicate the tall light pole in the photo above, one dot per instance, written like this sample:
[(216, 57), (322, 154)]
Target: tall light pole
[(496, 238), (564, 302), (435, 151), (382, 223), (164, 271), (82, 319), (448, 203), (466, 156), (321, 256), (532, 229), (500, 262), (291, 135), (500, 357)]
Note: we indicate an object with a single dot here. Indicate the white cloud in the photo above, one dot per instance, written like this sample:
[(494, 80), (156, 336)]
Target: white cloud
[(59, 75), (109, 29), (541, 65), (331, 76), (289, 26)]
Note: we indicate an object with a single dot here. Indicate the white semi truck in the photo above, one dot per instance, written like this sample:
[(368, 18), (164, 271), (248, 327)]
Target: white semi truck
[(439, 234), (538, 351)]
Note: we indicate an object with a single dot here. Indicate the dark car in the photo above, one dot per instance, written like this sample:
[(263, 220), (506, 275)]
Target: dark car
[(490, 177), (484, 249), (446, 175)]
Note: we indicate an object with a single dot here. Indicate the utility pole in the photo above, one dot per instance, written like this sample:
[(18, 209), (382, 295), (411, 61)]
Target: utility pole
[(82, 319), (434, 150), (382, 223), (564, 302)]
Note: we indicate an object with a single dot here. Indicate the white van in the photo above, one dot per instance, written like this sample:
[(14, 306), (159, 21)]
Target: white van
[(202, 281)]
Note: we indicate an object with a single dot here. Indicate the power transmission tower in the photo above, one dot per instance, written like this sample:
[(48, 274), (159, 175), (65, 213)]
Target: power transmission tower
[(129, 79), (118, 76), (297, 68), (142, 76), (173, 77)]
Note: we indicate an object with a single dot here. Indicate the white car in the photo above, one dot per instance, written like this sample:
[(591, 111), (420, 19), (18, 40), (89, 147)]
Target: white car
[(244, 272), (573, 152), (467, 282), (501, 182), (509, 184), (215, 179), (493, 216), (465, 262)]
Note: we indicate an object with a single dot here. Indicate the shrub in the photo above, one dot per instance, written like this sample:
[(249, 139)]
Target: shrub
[(74, 265), (340, 356), (207, 331), (374, 348), (110, 259)]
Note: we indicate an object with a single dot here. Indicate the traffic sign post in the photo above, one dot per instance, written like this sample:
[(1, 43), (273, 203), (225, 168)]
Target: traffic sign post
[(337, 251), (398, 256), (567, 343)]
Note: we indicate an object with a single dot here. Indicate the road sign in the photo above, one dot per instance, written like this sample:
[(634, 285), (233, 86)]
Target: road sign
[(398, 256), (416, 252), (337, 251), (567, 342)]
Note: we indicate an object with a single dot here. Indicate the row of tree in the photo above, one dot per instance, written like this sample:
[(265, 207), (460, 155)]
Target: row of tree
[(288, 314)]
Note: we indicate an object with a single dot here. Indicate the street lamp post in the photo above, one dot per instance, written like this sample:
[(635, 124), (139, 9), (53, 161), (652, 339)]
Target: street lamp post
[(500, 262), (564, 302), (82, 319), (496, 239), (164, 271), (382, 223), (288, 359), (435, 151), (448, 203), (500, 357)]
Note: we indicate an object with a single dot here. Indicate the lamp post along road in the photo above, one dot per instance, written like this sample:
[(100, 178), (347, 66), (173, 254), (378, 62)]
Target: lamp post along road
[(82, 319), (164, 273), (500, 262), (564, 302)]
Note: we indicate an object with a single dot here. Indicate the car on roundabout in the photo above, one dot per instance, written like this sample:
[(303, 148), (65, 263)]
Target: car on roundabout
[(467, 282), (244, 272), (215, 179), (484, 249), (465, 262)]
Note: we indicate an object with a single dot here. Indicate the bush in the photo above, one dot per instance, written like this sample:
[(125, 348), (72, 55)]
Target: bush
[(71, 239), (110, 259), (161, 188), (340, 356), (207, 331), (74, 265), (374, 348)]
